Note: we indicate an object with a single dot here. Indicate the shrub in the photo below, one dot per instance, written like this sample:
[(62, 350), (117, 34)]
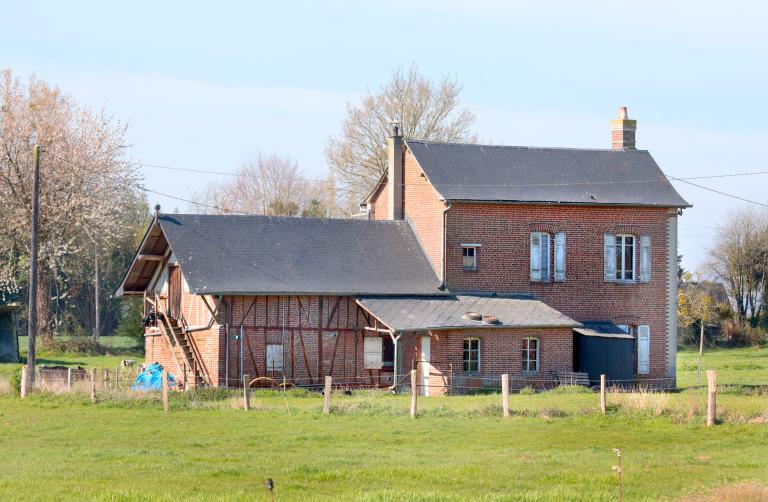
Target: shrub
[(78, 345), (15, 381)]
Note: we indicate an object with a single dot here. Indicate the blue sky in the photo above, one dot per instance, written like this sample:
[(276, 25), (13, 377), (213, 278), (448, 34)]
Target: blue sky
[(203, 85)]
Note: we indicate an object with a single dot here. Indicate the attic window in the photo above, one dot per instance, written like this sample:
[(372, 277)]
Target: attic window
[(469, 256)]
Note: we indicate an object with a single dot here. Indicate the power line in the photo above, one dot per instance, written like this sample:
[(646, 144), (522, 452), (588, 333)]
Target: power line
[(673, 178), (515, 185), (718, 191)]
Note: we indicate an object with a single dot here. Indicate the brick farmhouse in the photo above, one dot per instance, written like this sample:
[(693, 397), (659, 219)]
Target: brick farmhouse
[(469, 261)]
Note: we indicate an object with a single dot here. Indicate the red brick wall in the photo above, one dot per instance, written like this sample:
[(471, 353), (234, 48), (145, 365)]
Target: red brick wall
[(504, 262), (423, 209), (500, 352), (380, 204)]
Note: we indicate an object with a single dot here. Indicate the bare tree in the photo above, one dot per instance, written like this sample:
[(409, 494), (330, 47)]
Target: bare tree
[(696, 305), (426, 110), (739, 258), (271, 185), (85, 184)]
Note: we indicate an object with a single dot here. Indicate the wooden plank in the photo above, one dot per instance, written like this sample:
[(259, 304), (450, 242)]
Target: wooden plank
[(93, 385), (414, 393), (505, 395), (250, 354), (327, 395), (602, 395), (711, 397), (333, 357), (165, 390), (306, 359), (333, 313), (320, 337)]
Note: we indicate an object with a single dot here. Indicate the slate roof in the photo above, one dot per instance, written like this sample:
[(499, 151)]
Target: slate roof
[(411, 313), (546, 175), (602, 329), (281, 255)]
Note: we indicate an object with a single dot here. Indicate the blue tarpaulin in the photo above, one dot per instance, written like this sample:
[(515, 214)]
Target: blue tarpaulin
[(152, 379)]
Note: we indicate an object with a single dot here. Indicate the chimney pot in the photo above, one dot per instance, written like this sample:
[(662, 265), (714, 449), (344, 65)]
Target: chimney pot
[(395, 129), (623, 115)]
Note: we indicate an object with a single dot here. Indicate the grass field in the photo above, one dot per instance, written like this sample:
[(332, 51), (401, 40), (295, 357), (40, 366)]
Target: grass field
[(555, 446)]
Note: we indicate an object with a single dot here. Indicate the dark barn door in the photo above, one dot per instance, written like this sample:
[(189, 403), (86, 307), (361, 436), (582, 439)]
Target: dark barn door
[(174, 292)]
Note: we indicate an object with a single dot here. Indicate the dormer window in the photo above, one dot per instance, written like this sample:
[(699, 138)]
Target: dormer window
[(469, 256)]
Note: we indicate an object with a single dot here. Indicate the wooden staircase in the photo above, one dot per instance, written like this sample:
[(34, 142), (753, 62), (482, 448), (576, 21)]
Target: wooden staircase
[(187, 362)]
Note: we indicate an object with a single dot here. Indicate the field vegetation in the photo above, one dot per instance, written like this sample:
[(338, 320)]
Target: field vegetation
[(556, 445)]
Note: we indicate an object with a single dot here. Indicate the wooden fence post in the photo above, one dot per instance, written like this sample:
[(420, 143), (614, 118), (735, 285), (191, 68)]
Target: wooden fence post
[(711, 397), (603, 404), (117, 377), (93, 385), (505, 394), (24, 381), (69, 378), (327, 395), (414, 393), (165, 390), (246, 392)]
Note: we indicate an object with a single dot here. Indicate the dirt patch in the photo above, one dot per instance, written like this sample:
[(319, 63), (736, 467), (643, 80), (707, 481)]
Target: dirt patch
[(741, 492)]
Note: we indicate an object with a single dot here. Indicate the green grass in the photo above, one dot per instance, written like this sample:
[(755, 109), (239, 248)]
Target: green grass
[(125, 347), (742, 366), (61, 447), (555, 447)]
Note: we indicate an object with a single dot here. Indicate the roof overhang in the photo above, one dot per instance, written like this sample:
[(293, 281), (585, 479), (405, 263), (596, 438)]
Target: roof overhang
[(149, 259), (602, 329)]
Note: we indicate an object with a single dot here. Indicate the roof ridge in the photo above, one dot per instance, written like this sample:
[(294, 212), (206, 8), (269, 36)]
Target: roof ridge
[(523, 147), (288, 218)]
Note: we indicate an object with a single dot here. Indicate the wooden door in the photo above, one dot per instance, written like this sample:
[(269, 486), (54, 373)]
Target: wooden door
[(174, 292)]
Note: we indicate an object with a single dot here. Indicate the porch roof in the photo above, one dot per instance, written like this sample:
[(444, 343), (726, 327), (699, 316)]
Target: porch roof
[(410, 313), (602, 329)]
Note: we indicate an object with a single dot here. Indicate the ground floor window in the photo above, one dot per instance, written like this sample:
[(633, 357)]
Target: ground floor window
[(471, 355), (387, 353), (274, 357), (372, 351), (530, 354)]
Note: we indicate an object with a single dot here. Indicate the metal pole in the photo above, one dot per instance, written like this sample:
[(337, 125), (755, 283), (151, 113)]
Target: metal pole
[(97, 327), (32, 323), (241, 352)]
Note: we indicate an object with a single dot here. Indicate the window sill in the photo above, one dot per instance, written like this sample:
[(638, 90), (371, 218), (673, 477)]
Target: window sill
[(469, 269)]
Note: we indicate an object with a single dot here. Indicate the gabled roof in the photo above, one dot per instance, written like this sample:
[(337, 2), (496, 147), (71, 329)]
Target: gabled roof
[(448, 312), (232, 254), (464, 172)]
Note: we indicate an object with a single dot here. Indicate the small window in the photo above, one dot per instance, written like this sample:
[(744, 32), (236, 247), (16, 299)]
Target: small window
[(625, 258), (471, 355), (530, 354), (469, 256), (372, 348), (540, 257), (274, 357), (626, 328)]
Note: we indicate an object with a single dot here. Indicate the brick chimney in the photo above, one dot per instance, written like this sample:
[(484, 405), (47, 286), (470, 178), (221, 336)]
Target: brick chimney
[(623, 131), (395, 172)]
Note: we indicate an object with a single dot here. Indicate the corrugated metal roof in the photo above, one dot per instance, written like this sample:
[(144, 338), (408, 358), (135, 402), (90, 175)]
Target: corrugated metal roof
[(229, 254), (546, 175), (448, 312), (602, 329)]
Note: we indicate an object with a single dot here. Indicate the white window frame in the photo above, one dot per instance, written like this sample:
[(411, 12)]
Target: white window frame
[(474, 248), (477, 351), (645, 258), (621, 245), (372, 352), (626, 328), (527, 354), (540, 261)]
